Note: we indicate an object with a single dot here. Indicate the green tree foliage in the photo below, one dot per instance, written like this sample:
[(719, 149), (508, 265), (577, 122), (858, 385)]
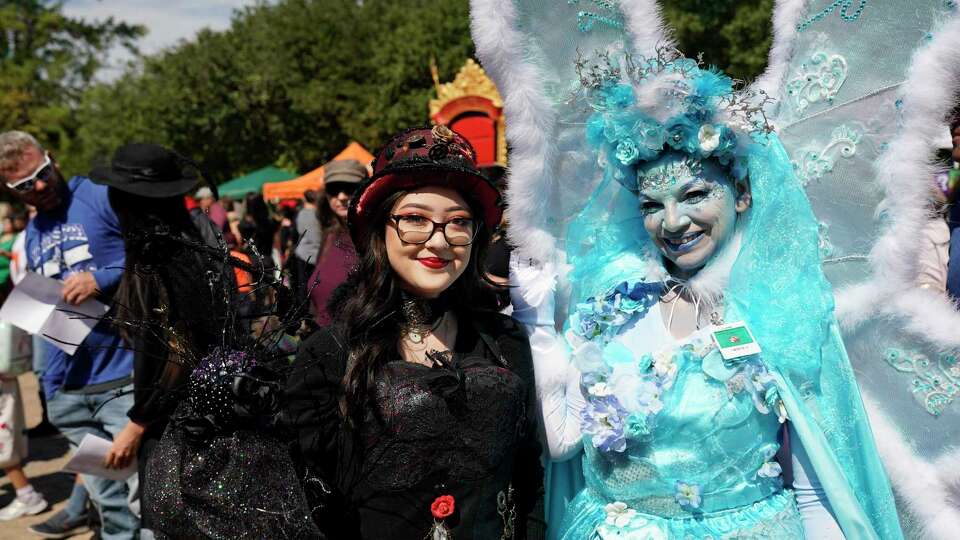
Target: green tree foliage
[(291, 82), (47, 61), (734, 36), (400, 61)]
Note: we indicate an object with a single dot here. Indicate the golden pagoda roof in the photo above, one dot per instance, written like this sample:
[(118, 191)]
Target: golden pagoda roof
[(471, 80)]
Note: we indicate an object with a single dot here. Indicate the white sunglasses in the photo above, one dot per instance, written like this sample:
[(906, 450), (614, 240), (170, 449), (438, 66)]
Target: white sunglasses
[(28, 183)]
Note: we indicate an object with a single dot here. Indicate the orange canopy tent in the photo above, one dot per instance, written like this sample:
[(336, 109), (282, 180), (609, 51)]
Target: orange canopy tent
[(294, 189)]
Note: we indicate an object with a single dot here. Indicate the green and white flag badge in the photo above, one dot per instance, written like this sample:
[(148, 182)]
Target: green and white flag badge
[(734, 340)]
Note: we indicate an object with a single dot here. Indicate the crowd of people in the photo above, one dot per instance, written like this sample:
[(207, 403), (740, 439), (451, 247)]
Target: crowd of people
[(136, 234), (375, 361), (190, 276), (408, 388)]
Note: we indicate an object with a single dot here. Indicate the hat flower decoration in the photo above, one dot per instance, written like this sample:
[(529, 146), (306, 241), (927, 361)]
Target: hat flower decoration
[(642, 107)]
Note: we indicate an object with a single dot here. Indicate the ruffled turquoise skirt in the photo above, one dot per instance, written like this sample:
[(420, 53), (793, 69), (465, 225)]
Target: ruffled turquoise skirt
[(773, 518)]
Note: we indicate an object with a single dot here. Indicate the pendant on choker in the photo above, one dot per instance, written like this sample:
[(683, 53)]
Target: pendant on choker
[(419, 320), (417, 334)]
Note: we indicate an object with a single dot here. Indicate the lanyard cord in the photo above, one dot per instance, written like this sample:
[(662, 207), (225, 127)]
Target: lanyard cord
[(678, 288)]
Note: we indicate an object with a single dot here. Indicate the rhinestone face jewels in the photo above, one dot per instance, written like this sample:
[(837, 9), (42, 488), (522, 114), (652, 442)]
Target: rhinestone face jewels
[(670, 174)]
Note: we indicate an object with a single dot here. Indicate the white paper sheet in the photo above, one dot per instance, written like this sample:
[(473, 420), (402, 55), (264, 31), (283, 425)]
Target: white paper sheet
[(88, 459), (36, 305)]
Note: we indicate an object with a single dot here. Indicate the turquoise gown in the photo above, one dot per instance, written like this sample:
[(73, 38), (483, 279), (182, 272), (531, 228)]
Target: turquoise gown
[(701, 441)]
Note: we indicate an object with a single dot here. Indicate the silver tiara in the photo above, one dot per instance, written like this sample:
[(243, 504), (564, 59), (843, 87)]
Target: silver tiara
[(668, 175)]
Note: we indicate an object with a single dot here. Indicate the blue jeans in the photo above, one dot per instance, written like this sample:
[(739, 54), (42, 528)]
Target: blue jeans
[(39, 355), (103, 415), (953, 264)]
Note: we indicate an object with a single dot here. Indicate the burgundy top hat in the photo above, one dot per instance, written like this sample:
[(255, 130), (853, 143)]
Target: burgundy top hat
[(420, 157)]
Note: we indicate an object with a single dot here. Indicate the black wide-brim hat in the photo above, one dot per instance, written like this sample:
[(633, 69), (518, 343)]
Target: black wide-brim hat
[(148, 170), (421, 157)]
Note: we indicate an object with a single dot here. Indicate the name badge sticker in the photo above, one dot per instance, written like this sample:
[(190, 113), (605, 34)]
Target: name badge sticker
[(735, 340)]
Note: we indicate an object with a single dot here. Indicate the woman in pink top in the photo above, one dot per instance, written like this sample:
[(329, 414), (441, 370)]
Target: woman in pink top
[(337, 255)]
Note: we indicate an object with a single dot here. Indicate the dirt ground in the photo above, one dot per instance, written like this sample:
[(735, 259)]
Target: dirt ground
[(47, 456)]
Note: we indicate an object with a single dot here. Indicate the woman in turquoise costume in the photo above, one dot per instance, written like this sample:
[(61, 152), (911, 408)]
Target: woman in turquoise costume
[(698, 367), (701, 239)]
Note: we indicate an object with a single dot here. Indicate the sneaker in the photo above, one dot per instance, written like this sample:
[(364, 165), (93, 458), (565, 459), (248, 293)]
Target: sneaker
[(42, 431), (61, 525), (18, 508)]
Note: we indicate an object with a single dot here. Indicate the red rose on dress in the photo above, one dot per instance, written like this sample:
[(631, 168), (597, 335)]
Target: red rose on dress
[(442, 506)]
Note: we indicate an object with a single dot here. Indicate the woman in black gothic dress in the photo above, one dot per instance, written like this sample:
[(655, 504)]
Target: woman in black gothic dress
[(415, 411), (210, 463)]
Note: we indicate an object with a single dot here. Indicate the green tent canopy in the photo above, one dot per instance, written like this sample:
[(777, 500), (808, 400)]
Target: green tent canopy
[(252, 182)]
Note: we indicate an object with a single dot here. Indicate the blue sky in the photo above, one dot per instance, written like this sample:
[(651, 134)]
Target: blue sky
[(168, 21)]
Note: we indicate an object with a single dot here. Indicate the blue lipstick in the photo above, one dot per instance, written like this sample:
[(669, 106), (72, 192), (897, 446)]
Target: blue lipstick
[(683, 247)]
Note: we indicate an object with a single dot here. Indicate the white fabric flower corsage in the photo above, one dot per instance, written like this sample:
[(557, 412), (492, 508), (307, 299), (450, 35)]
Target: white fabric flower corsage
[(709, 138), (600, 389), (688, 495), (770, 469), (619, 514)]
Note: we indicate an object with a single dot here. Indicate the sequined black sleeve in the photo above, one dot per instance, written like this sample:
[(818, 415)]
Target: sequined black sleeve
[(151, 403), (528, 469), (311, 410), (313, 390)]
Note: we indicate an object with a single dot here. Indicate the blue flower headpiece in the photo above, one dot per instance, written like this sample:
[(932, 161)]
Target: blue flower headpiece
[(644, 108)]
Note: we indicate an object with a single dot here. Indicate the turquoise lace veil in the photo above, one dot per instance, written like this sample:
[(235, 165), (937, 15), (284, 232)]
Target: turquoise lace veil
[(777, 286)]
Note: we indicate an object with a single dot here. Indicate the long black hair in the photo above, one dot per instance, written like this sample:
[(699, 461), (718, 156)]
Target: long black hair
[(174, 301), (144, 297), (369, 305), (141, 220)]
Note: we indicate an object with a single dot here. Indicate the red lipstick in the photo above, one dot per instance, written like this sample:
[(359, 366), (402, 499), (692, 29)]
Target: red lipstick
[(435, 263)]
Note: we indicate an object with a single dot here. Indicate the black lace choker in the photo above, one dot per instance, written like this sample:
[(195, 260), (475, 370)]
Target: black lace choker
[(421, 316)]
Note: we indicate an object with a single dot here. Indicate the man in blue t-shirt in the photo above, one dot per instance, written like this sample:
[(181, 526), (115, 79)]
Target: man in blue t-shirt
[(75, 237)]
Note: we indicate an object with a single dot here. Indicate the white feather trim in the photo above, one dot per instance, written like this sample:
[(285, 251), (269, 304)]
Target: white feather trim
[(786, 16), (855, 304), (709, 283), (905, 172), (924, 487), (650, 95), (531, 126), (645, 24), (930, 316), (532, 120), (706, 286)]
